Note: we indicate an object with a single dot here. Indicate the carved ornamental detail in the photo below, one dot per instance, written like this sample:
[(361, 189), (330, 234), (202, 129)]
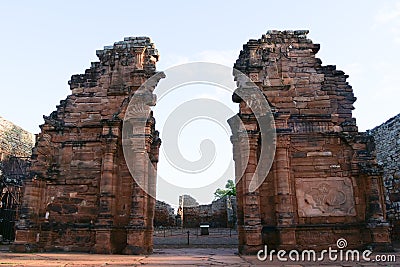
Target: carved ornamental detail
[(325, 197)]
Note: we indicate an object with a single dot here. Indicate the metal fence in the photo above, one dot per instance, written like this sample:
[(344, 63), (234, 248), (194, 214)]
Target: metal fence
[(13, 172), (9, 208), (191, 237), (7, 225)]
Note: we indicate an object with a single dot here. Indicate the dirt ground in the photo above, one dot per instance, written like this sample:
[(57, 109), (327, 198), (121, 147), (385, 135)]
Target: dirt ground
[(178, 238), (165, 257)]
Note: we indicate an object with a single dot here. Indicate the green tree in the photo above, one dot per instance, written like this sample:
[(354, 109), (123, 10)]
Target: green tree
[(230, 190)]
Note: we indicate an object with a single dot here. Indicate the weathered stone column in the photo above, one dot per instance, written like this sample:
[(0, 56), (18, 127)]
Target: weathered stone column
[(139, 146), (152, 180), (136, 230), (105, 222), (27, 236), (246, 139), (139, 230), (284, 194), (376, 217), (252, 222), (248, 205)]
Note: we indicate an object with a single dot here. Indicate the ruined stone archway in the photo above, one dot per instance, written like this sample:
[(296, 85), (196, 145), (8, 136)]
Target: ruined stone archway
[(324, 183), (81, 196)]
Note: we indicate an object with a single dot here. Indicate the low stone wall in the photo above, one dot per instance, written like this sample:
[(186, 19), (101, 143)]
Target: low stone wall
[(164, 215), (220, 213), (387, 140)]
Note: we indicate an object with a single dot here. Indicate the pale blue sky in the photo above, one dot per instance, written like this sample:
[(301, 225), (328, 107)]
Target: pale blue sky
[(44, 42)]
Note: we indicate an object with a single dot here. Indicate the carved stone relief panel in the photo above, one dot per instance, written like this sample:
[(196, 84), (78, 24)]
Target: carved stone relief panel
[(331, 196)]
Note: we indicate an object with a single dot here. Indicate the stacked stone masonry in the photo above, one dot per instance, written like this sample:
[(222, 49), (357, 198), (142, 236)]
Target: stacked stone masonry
[(324, 183), (221, 213), (387, 139), (14, 141), (164, 215), (81, 195), (186, 202)]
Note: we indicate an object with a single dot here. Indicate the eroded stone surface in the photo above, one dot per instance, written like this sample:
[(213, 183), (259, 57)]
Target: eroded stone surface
[(221, 213), (387, 139), (324, 183), (81, 196), (164, 215), (331, 196), (14, 141)]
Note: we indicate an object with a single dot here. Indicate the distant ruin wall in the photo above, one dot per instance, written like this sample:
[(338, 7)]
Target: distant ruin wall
[(220, 213), (14, 141), (387, 140), (15, 149), (164, 215)]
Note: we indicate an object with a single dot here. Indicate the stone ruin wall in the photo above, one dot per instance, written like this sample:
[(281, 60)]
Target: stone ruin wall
[(81, 196), (221, 213), (387, 139), (324, 183), (14, 141), (164, 215), (15, 149), (187, 201)]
